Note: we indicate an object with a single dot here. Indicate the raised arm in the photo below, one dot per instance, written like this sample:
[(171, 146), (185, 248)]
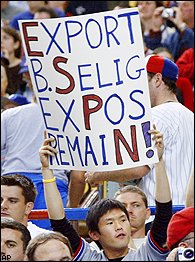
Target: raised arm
[(162, 195), (162, 190), (52, 196)]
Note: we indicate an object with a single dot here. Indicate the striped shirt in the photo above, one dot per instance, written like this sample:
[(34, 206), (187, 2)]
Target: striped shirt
[(176, 123)]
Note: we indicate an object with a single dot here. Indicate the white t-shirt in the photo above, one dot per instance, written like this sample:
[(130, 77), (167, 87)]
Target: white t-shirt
[(35, 230)]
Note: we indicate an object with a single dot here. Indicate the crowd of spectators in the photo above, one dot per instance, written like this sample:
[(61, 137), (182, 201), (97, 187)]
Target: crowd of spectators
[(117, 231)]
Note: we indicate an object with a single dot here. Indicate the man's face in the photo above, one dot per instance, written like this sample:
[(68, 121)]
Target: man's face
[(52, 250), (115, 232), (138, 213), (13, 203), (187, 9), (12, 244)]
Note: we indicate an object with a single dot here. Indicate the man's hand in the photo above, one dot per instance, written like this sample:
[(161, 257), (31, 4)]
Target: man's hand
[(158, 137), (89, 178), (46, 150)]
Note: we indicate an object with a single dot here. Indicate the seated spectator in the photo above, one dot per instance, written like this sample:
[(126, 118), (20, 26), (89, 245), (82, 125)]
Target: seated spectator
[(11, 48), (187, 9), (49, 247), (14, 240), (135, 201), (59, 7), (22, 131), (18, 194), (107, 220), (180, 231), (45, 12), (176, 42), (28, 14), (8, 11)]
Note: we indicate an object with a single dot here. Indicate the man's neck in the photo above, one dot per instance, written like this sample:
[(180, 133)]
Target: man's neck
[(116, 254), (166, 99)]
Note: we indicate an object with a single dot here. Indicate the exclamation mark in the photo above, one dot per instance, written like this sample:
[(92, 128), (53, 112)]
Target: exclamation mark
[(147, 138)]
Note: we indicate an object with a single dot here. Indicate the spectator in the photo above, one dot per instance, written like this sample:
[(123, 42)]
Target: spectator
[(18, 195), (186, 65), (176, 42), (49, 247), (135, 201), (45, 12), (22, 131), (11, 48), (176, 123), (19, 99), (59, 7), (107, 220), (5, 104), (146, 10), (184, 92), (8, 11), (14, 240), (180, 231), (187, 9), (28, 14)]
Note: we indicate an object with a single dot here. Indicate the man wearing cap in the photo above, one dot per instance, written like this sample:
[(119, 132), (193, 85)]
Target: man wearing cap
[(175, 122), (180, 231)]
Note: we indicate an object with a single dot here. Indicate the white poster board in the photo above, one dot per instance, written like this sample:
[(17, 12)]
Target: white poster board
[(89, 77)]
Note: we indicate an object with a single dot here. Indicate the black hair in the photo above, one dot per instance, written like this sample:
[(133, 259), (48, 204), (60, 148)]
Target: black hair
[(47, 10), (171, 84), (29, 190), (99, 209), (15, 225)]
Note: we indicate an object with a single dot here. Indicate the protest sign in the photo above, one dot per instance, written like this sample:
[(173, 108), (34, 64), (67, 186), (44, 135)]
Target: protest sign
[(89, 77)]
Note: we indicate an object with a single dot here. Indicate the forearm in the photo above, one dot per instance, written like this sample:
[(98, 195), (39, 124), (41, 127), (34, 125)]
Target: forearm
[(159, 226), (77, 184), (52, 196), (121, 175), (163, 193)]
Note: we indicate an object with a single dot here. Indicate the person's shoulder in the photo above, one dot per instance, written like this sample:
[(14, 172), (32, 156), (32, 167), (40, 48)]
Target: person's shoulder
[(24, 15), (35, 230), (170, 106), (22, 109)]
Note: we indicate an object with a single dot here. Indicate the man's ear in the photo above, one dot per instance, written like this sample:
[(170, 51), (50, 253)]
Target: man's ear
[(94, 235), (29, 207), (158, 79)]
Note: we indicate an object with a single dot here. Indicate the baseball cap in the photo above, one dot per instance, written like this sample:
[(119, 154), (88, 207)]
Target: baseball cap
[(159, 64), (180, 225), (23, 66), (19, 99)]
